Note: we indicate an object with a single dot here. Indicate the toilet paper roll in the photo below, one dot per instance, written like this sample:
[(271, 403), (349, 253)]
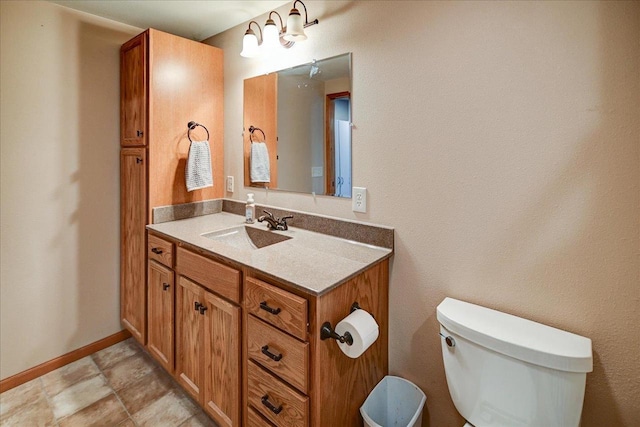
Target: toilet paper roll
[(364, 330)]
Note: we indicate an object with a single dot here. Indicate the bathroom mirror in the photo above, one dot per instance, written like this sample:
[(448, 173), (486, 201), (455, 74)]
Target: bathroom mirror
[(300, 119)]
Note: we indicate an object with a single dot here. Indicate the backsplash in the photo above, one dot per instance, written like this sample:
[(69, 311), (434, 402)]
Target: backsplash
[(186, 210)]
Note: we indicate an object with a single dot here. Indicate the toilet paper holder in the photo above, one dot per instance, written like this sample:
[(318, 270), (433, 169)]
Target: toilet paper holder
[(327, 331)]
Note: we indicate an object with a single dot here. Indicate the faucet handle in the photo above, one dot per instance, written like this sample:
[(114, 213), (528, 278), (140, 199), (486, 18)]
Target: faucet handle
[(268, 213), (283, 221)]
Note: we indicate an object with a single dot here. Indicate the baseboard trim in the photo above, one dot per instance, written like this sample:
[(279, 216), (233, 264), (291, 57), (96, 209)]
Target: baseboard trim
[(58, 362)]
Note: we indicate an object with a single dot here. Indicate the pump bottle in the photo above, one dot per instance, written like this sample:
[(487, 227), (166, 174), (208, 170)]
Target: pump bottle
[(250, 211)]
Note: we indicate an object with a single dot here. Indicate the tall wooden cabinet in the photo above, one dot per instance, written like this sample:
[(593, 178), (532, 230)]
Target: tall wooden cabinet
[(165, 82)]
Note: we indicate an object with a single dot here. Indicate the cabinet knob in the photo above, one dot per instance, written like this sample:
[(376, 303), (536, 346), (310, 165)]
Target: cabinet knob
[(139, 133), (202, 308), (265, 307), (196, 306), (156, 251), (138, 160), (274, 357), (165, 286), (271, 406)]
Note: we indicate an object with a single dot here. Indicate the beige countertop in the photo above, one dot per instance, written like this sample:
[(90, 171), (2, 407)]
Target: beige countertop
[(310, 261)]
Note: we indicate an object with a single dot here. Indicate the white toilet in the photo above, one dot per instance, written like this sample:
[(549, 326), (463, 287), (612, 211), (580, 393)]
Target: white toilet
[(503, 370)]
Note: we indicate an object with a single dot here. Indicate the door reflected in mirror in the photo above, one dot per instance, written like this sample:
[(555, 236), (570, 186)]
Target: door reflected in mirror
[(302, 122)]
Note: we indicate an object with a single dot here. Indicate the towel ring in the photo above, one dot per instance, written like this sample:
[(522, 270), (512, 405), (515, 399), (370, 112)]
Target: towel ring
[(252, 129), (192, 126)]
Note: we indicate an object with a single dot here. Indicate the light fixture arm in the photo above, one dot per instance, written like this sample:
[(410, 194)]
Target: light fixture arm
[(280, 18), (306, 17), (259, 29)]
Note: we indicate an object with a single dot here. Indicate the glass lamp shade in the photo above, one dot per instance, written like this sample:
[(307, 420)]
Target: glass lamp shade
[(250, 45), (295, 27), (271, 36)]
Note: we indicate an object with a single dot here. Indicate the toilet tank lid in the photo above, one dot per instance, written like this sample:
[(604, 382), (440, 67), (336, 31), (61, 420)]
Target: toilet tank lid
[(517, 337)]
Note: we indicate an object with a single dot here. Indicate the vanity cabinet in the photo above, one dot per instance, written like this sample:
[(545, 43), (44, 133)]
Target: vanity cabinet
[(292, 377), (208, 335), (166, 81), (247, 347)]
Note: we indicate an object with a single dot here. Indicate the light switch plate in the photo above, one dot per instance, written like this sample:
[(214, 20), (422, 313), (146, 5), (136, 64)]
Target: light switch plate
[(359, 199), (230, 184)]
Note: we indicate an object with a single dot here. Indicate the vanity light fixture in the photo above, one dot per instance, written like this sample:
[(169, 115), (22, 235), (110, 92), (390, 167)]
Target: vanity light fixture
[(295, 27), (250, 43), (273, 37)]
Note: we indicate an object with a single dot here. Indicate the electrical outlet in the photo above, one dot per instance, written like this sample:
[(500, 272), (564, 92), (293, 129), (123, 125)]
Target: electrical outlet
[(230, 184), (359, 199)]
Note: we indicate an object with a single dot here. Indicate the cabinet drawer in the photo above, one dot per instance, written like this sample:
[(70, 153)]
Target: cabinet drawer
[(255, 420), (278, 402), (219, 278), (279, 353), (160, 250), (278, 307)]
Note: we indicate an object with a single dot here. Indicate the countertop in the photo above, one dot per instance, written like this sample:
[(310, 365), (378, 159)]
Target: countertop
[(310, 261)]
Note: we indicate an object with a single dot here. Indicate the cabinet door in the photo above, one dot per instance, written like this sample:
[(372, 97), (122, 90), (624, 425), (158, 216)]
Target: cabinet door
[(160, 292), (133, 92), (133, 208), (222, 360), (189, 336)]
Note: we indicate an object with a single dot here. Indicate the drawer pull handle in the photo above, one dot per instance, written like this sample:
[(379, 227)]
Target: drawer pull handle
[(274, 357), (265, 307), (156, 251), (165, 286), (272, 408)]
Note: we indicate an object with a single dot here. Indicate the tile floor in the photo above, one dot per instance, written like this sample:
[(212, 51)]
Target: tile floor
[(118, 386)]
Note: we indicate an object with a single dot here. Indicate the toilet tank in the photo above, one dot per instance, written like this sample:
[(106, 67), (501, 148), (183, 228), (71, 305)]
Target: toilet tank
[(507, 371)]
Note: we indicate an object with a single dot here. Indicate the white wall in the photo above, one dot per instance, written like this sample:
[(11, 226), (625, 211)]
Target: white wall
[(502, 141), (59, 181)]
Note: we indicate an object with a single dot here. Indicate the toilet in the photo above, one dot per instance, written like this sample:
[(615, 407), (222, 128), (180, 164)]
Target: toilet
[(503, 370)]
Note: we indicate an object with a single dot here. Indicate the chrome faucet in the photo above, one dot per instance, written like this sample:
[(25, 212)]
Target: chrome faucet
[(275, 223)]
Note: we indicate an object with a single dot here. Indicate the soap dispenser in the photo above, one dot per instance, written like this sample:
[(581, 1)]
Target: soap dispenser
[(250, 211)]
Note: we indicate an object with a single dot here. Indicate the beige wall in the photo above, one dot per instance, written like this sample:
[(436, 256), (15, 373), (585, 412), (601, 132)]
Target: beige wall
[(59, 181), (510, 140)]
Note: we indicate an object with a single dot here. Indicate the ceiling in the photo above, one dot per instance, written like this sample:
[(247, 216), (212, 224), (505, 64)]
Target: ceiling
[(195, 20)]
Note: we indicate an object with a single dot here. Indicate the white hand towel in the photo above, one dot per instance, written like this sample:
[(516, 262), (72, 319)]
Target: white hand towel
[(198, 170), (260, 170)]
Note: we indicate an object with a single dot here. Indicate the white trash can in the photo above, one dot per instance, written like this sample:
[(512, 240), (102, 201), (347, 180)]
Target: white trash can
[(394, 402)]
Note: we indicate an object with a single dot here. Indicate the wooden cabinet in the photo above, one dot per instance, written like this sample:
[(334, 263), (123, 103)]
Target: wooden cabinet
[(248, 348), (208, 342), (222, 341), (161, 297), (133, 205), (293, 378), (189, 336), (165, 82), (133, 92)]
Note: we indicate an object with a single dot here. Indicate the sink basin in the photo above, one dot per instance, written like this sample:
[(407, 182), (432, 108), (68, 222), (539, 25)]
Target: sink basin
[(244, 237)]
